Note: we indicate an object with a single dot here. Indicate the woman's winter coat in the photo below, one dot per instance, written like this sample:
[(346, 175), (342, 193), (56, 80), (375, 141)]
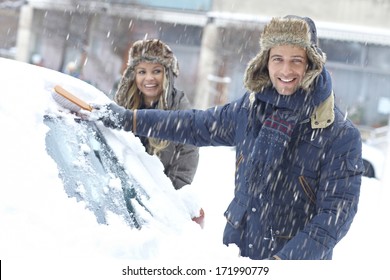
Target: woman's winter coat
[(180, 160), (296, 194)]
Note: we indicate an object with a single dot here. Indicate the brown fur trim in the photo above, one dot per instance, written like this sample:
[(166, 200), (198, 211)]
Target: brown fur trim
[(154, 51), (284, 31)]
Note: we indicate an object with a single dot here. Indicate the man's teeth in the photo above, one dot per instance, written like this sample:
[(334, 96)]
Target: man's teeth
[(286, 81)]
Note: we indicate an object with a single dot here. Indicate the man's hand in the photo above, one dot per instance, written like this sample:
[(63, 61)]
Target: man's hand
[(114, 116)]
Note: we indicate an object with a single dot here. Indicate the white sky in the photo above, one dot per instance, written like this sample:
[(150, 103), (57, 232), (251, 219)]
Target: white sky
[(39, 222)]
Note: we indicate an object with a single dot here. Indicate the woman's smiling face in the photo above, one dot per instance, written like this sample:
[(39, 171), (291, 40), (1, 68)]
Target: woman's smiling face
[(149, 78), (287, 66)]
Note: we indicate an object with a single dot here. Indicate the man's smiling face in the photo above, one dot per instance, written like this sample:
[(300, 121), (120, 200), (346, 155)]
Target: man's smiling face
[(287, 66)]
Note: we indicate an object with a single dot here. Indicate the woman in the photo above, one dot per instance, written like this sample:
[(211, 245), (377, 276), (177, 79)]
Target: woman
[(148, 83)]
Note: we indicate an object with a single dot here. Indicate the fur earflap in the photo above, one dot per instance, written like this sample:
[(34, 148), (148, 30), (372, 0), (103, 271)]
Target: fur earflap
[(289, 30)]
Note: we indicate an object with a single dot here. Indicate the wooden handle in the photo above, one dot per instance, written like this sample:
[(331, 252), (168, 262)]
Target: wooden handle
[(72, 98)]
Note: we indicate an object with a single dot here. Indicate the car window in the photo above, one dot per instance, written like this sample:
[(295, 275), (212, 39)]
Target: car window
[(91, 172)]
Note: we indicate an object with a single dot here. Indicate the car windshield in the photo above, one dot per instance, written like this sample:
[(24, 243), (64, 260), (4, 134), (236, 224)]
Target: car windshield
[(91, 172)]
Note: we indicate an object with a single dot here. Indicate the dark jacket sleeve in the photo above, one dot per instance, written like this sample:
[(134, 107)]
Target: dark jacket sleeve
[(215, 126)]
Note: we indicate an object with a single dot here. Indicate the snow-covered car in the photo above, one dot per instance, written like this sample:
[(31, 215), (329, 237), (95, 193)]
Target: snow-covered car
[(374, 161), (74, 187)]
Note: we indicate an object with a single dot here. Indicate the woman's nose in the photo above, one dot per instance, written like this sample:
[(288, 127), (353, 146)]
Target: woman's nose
[(149, 76)]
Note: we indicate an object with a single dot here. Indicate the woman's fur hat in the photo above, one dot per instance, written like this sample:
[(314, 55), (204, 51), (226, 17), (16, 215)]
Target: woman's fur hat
[(289, 30), (153, 51)]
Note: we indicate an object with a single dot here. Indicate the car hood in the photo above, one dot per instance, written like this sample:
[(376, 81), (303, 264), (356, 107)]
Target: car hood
[(35, 207)]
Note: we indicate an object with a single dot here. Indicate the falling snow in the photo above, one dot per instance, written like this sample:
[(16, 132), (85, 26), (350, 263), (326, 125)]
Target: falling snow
[(38, 220)]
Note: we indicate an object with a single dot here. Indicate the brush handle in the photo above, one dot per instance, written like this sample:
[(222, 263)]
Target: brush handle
[(72, 98)]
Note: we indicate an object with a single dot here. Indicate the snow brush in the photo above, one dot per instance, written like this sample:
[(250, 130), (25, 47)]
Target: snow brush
[(68, 100)]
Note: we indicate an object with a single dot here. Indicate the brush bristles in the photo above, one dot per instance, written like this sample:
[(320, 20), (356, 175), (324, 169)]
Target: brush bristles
[(63, 102)]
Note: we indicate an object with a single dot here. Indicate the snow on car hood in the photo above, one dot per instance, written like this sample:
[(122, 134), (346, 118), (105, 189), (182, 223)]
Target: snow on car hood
[(36, 215)]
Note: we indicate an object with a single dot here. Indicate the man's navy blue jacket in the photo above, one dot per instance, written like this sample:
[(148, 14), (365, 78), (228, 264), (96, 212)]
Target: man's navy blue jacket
[(310, 198)]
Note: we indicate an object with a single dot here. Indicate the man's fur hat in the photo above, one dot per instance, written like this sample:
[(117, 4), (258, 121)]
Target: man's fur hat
[(289, 30), (153, 51)]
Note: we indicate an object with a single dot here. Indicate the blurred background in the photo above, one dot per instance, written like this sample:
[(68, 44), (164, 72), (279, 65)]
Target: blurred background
[(213, 41)]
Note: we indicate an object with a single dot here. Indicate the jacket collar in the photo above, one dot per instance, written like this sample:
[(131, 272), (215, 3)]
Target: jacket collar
[(323, 115)]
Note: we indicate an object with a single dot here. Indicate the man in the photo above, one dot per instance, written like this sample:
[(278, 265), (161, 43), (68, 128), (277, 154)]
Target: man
[(298, 159)]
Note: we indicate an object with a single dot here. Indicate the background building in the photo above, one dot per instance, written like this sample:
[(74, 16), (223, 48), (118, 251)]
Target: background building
[(213, 40)]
